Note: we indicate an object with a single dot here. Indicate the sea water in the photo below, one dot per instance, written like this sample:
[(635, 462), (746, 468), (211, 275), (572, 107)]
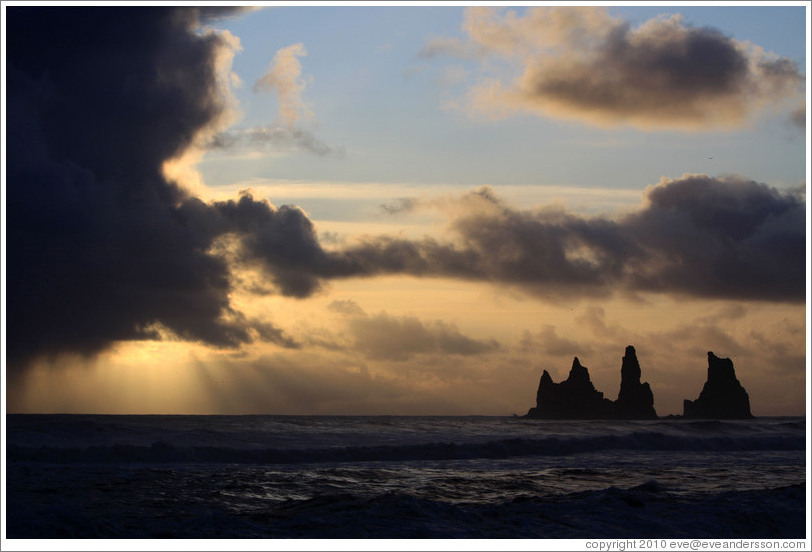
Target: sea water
[(389, 477)]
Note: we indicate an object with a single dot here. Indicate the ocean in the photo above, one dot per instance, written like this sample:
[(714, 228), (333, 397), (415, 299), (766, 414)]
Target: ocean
[(399, 477)]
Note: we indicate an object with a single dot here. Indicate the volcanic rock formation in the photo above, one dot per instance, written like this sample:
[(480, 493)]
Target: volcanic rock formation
[(576, 397), (573, 398), (722, 397), (635, 401)]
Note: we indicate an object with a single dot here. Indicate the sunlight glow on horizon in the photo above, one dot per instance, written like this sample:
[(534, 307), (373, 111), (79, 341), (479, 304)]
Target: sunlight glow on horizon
[(184, 378)]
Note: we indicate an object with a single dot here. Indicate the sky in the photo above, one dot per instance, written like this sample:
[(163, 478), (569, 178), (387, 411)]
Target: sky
[(401, 210)]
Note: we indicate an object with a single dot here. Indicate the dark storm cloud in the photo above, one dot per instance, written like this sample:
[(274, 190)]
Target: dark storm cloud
[(283, 241), (697, 236), (552, 253), (211, 14), (721, 238), (100, 246), (579, 62)]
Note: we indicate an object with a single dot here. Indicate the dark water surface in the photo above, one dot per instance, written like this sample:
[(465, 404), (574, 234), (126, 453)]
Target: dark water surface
[(88, 476)]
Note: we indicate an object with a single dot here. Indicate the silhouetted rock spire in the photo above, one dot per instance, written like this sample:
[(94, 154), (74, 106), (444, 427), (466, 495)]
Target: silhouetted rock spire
[(577, 398), (722, 396), (635, 401)]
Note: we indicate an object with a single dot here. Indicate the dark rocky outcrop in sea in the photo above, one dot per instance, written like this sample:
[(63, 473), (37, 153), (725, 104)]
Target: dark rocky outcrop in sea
[(722, 397), (635, 401), (576, 397), (573, 398)]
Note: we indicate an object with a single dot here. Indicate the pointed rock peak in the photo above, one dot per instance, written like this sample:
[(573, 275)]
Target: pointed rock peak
[(635, 400), (630, 369), (577, 399), (577, 369), (722, 396), (578, 373)]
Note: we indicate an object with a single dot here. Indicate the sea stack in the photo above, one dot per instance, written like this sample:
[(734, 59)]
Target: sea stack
[(635, 401), (722, 397), (573, 399)]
